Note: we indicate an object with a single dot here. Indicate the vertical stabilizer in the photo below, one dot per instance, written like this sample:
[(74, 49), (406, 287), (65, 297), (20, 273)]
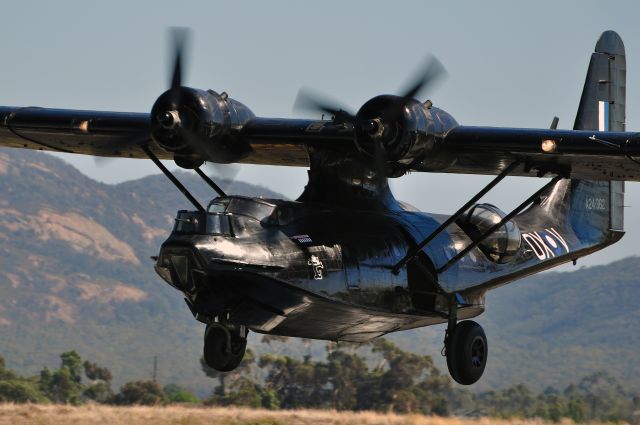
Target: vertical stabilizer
[(602, 107), (585, 215)]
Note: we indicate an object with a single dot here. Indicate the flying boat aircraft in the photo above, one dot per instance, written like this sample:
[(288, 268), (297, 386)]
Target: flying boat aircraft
[(346, 261)]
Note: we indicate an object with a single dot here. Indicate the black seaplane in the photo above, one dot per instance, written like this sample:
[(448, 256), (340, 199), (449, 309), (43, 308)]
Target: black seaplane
[(346, 261)]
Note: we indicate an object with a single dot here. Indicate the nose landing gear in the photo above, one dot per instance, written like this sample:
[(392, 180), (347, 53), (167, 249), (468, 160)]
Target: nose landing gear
[(466, 349), (224, 346)]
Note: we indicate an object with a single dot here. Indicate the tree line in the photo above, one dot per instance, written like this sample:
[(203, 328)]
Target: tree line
[(76, 382), (375, 376)]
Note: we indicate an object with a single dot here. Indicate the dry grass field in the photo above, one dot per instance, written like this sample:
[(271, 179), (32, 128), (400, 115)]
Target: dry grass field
[(187, 415)]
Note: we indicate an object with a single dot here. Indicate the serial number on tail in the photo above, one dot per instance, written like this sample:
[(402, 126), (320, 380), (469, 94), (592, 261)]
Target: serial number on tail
[(598, 204)]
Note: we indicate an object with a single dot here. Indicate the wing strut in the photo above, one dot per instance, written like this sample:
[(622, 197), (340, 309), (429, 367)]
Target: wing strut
[(210, 182), (495, 227), (171, 177), (413, 252)]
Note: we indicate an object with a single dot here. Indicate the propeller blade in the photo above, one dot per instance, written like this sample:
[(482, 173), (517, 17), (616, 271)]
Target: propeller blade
[(315, 102), (180, 37), (224, 172), (431, 70), (103, 161)]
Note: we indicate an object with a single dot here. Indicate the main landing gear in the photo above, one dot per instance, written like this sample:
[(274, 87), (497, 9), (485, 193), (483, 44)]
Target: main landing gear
[(224, 346), (466, 349)]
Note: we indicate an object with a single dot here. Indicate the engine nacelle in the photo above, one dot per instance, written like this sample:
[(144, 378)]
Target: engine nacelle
[(197, 125), (407, 131)]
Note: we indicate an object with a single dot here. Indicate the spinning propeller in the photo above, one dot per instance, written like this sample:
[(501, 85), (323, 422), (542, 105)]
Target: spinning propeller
[(378, 121), (174, 122)]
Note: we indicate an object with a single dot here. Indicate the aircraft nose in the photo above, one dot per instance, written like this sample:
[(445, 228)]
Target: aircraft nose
[(181, 268)]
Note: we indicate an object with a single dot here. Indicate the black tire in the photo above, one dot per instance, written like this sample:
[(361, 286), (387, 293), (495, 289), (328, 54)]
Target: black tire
[(467, 351), (215, 352)]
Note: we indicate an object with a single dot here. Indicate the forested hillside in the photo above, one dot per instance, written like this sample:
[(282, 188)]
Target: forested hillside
[(76, 274)]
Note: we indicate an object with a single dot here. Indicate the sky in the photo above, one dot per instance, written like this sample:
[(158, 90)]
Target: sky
[(509, 63)]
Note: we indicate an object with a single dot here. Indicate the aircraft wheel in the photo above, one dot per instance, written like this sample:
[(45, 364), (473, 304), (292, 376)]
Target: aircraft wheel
[(467, 351), (224, 348)]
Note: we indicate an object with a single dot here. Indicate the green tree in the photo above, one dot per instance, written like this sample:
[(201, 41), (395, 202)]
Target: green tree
[(270, 398), (177, 394), (5, 374), (244, 392), (406, 382), (20, 391), (140, 392), (603, 398), (576, 410), (64, 384), (298, 383), (96, 373), (60, 386), (73, 363), (99, 387), (516, 401), (346, 373), (225, 379)]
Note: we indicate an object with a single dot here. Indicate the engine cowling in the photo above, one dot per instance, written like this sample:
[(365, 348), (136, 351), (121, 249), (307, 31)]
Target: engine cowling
[(196, 125), (406, 131)]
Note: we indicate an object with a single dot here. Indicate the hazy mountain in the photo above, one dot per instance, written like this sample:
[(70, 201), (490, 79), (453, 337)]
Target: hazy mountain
[(76, 274)]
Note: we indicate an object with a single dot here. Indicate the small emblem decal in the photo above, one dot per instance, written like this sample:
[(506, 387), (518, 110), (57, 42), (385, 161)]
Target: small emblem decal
[(316, 266), (546, 244), (302, 238)]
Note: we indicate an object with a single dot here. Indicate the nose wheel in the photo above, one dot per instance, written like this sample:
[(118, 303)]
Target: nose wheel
[(466, 351), (224, 346)]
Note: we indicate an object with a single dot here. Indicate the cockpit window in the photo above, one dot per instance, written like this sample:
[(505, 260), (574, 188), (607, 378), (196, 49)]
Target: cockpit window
[(250, 207), (218, 206)]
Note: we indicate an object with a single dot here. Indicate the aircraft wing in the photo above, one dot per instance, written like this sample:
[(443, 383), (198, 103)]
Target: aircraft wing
[(120, 134), (584, 154), (112, 134), (463, 149)]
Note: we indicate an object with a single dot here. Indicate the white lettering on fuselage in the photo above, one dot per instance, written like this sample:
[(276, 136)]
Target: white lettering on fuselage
[(546, 244)]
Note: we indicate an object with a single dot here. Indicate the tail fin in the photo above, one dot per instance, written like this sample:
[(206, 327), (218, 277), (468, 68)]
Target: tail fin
[(588, 215), (602, 107)]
